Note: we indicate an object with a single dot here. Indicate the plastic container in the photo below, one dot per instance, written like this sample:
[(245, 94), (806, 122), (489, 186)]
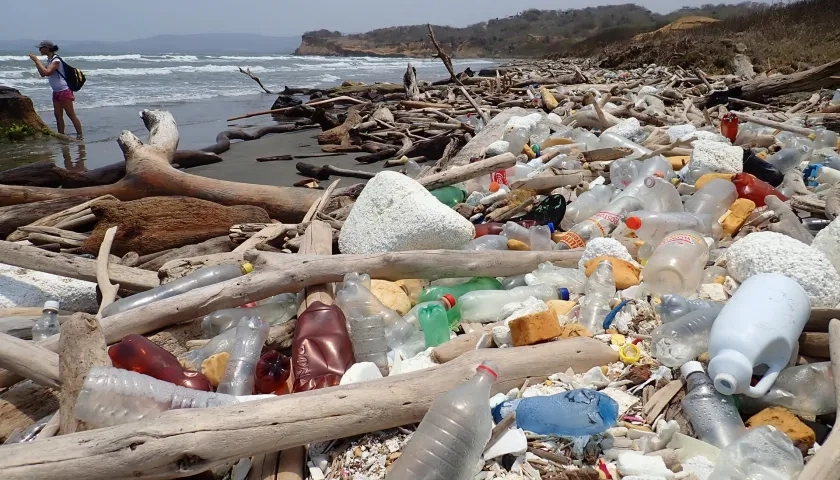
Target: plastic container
[(729, 126), (672, 307), (763, 453), (48, 324), (435, 324), (485, 306), (449, 196), (806, 390), (478, 283), (570, 414), (218, 344), (321, 349), (762, 170), (584, 136), (653, 227), (676, 266), (273, 372), (684, 339), (760, 325), (715, 417), (714, 198), (539, 238), (587, 204), (514, 231), (815, 224), (754, 189), (786, 159), (369, 342), (139, 354), (200, 278), (238, 378), (509, 283), (572, 279), (448, 443), (449, 305), (281, 310), (656, 194), (624, 171), (488, 242), (600, 289), (598, 225)]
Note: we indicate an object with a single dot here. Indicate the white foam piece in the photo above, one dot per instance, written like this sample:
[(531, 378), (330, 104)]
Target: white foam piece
[(512, 441), (360, 372)]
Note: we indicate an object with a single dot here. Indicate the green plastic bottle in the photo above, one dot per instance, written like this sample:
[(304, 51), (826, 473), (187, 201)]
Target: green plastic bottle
[(449, 196), (435, 324), (478, 283)]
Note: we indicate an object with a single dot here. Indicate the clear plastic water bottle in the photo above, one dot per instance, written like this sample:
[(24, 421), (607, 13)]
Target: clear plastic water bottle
[(517, 133), (598, 225), (673, 307), (369, 343), (488, 242), (714, 198), (509, 283), (835, 100), (572, 279), (623, 171), (485, 306), (584, 136), (280, 310), (238, 378), (570, 414), (587, 204), (200, 278), (515, 231), (785, 159), (449, 441), (676, 266), (806, 390), (763, 453), (683, 339), (656, 194), (714, 416), (47, 325), (653, 227), (222, 342), (600, 289), (539, 238)]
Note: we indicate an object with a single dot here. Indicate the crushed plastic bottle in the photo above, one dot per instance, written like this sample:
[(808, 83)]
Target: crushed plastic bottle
[(238, 378), (321, 350), (539, 238), (369, 343), (682, 340), (47, 325), (598, 225), (673, 307), (714, 416), (485, 306), (572, 279), (653, 227), (656, 194), (763, 453), (487, 242), (587, 204), (139, 354), (281, 309), (714, 198), (600, 289), (218, 344), (568, 414), (624, 171), (786, 159), (676, 266), (200, 278), (448, 443), (449, 304), (514, 231), (754, 189), (272, 373), (806, 390), (435, 323)]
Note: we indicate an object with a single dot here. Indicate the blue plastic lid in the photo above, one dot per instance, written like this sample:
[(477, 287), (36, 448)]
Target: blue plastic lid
[(563, 293), (479, 220), (551, 227)]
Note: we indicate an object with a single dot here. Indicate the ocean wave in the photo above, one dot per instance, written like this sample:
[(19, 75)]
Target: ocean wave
[(119, 100), (327, 78), (134, 72), (255, 58), (22, 82), (12, 74)]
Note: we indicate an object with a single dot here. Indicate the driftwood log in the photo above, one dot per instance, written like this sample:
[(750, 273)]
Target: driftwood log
[(81, 347), (492, 131), (29, 360), (24, 404), (186, 442), (149, 173), (16, 216)]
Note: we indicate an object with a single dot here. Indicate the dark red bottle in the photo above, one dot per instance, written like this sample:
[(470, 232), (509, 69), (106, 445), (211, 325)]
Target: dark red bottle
[(752, 188), (321, 351), (729, 126), (272, 375), (493, 228), (139, 354)]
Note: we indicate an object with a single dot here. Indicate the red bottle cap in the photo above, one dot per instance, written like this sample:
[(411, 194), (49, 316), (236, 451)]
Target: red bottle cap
[(633, 223), (494, 187), (488, 369), (449, 300)]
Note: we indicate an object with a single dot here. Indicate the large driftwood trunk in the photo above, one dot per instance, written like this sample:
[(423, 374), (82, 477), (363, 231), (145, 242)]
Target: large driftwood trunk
[(824, 76), (149, 173), (82, 347), (492, 131), (186, 442)]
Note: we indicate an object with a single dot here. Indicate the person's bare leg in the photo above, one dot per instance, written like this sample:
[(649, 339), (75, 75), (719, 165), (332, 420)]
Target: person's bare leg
[(59, 116), (71, 112)]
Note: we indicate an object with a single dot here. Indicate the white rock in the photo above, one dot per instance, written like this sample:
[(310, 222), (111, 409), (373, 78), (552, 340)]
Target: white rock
[(625, 400), (512, 441), (502, 336), (626, 128), (828, 242), (360, 372), (715, 292), (395, 213), (20, 287), (604, 246), (771, 252), (641, 465), (717, 157), (497, 148), (530, 306)]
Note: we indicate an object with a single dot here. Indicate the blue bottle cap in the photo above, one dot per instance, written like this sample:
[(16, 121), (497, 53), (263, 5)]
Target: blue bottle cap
[(563, 293), (478, 220), (551, 227)]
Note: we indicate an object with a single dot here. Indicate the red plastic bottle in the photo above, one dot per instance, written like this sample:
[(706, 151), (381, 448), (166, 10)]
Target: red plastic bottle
[(139, 354), (321, 351), (754, 189), (729, 126), (272, 375), (493, 228)]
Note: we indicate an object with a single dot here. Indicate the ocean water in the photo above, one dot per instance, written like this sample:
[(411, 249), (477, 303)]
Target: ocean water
[(201, 91)]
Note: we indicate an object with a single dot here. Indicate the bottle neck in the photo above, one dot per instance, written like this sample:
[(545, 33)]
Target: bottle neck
[(696, 380)]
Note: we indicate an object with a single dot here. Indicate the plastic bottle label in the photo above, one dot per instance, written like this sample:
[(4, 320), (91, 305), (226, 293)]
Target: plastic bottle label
[(610, 217), (500, 177), (682, 239), (572, 239)]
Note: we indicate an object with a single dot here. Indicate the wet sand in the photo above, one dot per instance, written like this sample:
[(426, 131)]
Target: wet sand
[(240, 163)]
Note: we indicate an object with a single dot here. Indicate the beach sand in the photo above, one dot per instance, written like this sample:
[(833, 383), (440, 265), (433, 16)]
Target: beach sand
[(240, 163)]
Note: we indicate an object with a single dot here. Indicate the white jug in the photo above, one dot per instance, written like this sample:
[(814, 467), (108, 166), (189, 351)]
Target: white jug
[(761, 324)]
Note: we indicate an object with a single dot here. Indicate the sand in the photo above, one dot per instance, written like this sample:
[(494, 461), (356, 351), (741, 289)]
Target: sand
[(240, 163)]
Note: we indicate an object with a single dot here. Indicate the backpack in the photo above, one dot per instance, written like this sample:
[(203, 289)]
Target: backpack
[(75, 78)]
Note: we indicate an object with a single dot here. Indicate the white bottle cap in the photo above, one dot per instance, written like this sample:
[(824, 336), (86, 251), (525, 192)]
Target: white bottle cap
[(51, 305), (691, 367)]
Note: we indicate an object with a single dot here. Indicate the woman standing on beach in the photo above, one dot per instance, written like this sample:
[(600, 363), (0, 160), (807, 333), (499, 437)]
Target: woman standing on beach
[(62, 95)]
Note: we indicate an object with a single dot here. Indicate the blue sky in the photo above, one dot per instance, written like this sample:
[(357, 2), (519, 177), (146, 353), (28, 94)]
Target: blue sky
[(125, 20)]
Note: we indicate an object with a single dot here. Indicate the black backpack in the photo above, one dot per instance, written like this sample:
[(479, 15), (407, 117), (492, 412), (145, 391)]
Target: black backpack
[(75, 78)]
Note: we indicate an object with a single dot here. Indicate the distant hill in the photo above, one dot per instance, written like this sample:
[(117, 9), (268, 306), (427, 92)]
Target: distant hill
[(531, 33), (197, 44)]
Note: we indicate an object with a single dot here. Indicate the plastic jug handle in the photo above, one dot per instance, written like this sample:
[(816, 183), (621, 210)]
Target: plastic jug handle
[(763, 386)]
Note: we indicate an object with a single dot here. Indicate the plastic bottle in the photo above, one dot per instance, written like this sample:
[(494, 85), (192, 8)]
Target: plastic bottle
[(218, 344), (539, 238), (676, 266), (609, 140), (485, 306), (835, 100), (478, 283), (682, 340), (435, 324), (763, 453), (448, 303), (139, 354), (764, 171), (281, 310), (47, 325), (571, 279), (729, 126), (200, 278), (653, 227), (600, 289), (369, 342), (321, 349), (569, 414), (448, 443), (672, 307), (786, 159), (487, 242), (659, 167), (655, 194), (449, 196), (714, 198), (806, 390), (623, 171), (754, 189), (760, 324), (509, 283), (514, 231), (598, 225), (517, 133), (273, 372), (584, 136), (715, 417), (826, 139), (492, 228), (238, 378), (587, 204), (358, 302), (815, 224)]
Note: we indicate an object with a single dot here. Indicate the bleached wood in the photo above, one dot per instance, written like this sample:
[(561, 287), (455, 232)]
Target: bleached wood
[(81, 347), (29, 360), (466, 172), (109, 291)]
